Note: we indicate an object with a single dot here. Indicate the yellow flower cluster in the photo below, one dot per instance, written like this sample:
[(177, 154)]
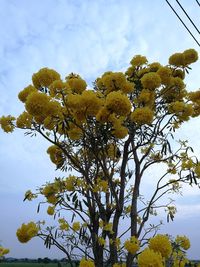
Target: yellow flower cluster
[(44, 77), (150, 258), (58, 89), (63, 224), (76, 83), (37, 104), (181, 109), (138, 60), (118, 103), (24, 120), (3, 251), (55, 154), (142, 116), (195, 98), (51, 210), (26, 92), (27, 231), (50, 191), (183, 59), (119, 265), (86, 263), (197, 170), (101, 241), (101, 185), (29, 195), (183, 242), (70, 183), (165, 75), (7, 123), (132, 245), (114, 81), (161, 244), (76, 226), (151, 80)]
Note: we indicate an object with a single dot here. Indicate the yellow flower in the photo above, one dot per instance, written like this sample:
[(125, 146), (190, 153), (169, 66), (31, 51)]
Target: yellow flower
[(70, 183), (63, 224), (150, 258), (55, 154), (7, 123), (86, 263), (177, 59), (154, 66), (190, 56), (3, 251), (51, 210), (44, 77), (58, 88), (76, 226), (75, 133), (119, 131), (76, 83), (29, 195), (101, 241), (142, 116), (108, 227), (146, 97), (90, 102), (118, 103), (26, 232), (183, 241), (138, 60), (197, 170), (165, 74), (37, 104), (161, 244), (119, 265), (132, 245), (151, 81), (26, 92), (24, 120)]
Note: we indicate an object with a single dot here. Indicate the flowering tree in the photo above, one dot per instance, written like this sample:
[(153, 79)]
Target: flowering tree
[(105, 140)]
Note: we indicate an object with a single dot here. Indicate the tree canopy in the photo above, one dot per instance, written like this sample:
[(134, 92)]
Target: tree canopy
[(105, 140)]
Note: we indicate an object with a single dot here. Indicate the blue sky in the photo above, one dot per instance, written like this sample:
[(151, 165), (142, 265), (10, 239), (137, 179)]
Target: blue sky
[(87, 37)]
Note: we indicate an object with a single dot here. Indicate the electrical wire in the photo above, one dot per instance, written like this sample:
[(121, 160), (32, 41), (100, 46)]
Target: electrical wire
[(183, 23), (188, 16), (198, 2)]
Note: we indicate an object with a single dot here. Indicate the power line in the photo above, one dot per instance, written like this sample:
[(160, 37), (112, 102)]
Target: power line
[(183, 23), (198, 2), (188, 16)]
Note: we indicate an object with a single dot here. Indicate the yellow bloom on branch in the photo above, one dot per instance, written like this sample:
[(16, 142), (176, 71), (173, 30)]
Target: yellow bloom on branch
[(118, 103), (132, 245), (150, 258), (161, 244), (86, 263), (151, 80), (3, 251), (26, 232), (183, 241), (7, 123), (142, 116), (76, 226), (44, 77)]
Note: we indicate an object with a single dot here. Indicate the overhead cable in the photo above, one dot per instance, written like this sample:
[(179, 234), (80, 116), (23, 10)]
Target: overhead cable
[(183, 23), (188, 16)]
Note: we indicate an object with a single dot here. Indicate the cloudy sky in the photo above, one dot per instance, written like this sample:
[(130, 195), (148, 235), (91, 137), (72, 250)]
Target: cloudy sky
[(88, 37)]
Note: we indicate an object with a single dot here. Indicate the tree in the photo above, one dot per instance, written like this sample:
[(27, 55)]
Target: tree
[(105, 140)]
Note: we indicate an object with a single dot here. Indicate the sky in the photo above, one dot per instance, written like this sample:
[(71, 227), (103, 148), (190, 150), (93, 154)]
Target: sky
[(87, 37)]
